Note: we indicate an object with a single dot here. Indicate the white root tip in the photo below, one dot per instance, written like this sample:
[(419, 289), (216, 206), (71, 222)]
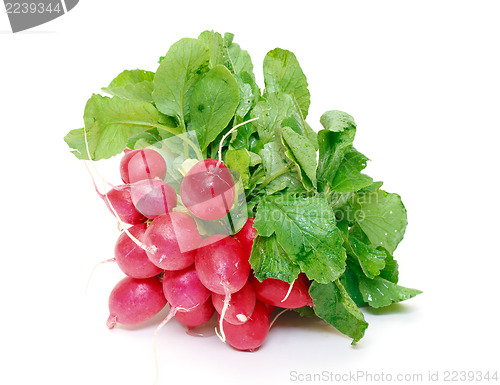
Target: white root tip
[(111, 322), (227, 299), (288, 292)]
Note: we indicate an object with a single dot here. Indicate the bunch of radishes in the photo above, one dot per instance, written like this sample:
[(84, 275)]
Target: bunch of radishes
[(166, 259)]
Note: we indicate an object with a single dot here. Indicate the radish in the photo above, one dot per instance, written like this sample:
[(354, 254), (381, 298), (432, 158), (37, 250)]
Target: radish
[(240, 306), (222, 267), (250, 335), (221, 264), (133, 301), (131, 258), (153, 197), (171, 241), (197, 316), (208, 190), (184, 292), (121, 201), (282, 294), (246, 236), (142, 164), (183, 289)]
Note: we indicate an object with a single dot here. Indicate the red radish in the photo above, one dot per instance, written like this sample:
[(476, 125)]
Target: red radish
[(207, 189), (250, 335), (142, 164), (222, 267), (221, 264), (184, 292), (282, 294), (121, 202), (133, 301), (153, 197), (183, 289), (240, 306), (172, 240), (131, 258), (197, 316), (270, 308), (246, 236)]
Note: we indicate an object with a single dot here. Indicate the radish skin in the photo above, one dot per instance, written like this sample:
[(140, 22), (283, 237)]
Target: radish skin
[(246, 236), (197, 316), (121, 201), (172, 241), (207, 190), (252, 334), (241, 305), (142, 164), (153, 197), (282, 294), (133, 301), (131, 258)]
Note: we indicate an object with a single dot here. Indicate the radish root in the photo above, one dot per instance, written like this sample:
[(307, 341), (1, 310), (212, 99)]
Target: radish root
[(93, 270), (288, 292), (227, 299), (275, 318)]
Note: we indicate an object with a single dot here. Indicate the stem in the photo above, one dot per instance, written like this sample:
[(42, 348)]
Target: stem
[(186, 140), (275, 175), (257, 174), (230, 132)]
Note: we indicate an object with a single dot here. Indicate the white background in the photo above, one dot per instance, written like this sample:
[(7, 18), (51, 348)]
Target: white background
[(422, 81)]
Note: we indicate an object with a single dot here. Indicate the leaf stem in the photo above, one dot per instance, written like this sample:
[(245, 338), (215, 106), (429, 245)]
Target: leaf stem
[(230, 132), (186, 140), (276, 175)]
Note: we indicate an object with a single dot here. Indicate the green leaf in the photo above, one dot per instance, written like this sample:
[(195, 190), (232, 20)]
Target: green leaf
[(133, 85), (271, 113), (213, 102), (270, 260), (371, 260), (185, 62), (334, 142), (282, 73), (239, 160), (382, 217), (305, 311), (241, 138), (337, 121), (110, 123), (379, 292), (240, 64), (350, 281), (237, 59), (213, 41), (278, 169), (249, 94), (145, 139), (373, 187), (311, 135), (300, 151), (391, 269), (306, 229), (333, 304), (349, 177), (75, 139)]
